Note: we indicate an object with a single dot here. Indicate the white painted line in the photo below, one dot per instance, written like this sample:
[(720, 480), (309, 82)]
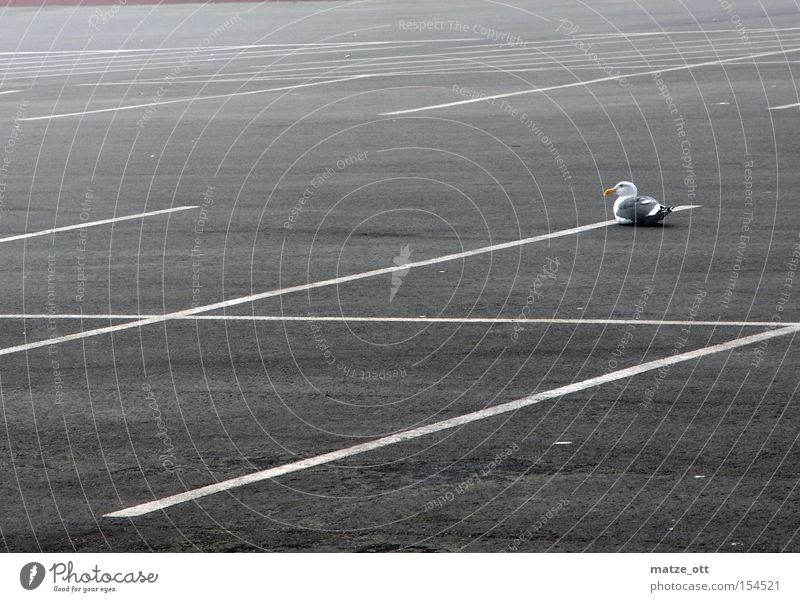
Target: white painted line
[(308, 286), (211, 49), (49, 68), (703, 32), (69, 69), (211, 79), (73, 316), (588, 82), (189, 100), (199, 56), (97, 223), (8, 92), (778, 108), (557, 45), (398, 74), (390, 319), (347, 67), (102, 65), (643, 55), (442, 425), (499, 55), (490, 58)]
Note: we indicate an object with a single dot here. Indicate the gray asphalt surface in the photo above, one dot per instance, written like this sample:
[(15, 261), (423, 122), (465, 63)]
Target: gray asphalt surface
[(698, 456)]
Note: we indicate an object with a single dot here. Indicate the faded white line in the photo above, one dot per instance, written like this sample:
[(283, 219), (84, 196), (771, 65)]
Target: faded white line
[(8, 92), (310, 286), (703, 32), (433, 66), (587, 82), (412, 320), (211, 49), (97, 223), (778, 108), (102, 65), (486, 58), (190, 100), (456, 70), (442, 425), (210, 80), (647, 57)]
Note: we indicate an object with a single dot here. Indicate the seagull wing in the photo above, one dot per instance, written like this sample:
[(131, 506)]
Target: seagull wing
[(637, 208)]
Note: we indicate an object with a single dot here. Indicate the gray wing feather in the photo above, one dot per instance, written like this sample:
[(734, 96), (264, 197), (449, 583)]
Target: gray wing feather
[(636, 208)]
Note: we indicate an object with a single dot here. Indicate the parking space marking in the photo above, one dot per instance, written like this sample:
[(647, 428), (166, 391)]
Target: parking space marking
[(588, 82), (311, 285), (403, 436), (101, 222)]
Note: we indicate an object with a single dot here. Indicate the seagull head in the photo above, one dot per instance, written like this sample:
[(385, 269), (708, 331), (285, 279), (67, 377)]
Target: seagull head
[(622, 189)]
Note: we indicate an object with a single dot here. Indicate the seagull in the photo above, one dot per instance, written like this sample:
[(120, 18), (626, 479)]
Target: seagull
[(631, 209)]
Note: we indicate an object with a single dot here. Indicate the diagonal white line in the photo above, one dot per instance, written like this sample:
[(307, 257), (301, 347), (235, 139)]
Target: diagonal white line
[(97, 223), (309, 286), (588, 82), (190, 99), (436, 427), (789, 106)]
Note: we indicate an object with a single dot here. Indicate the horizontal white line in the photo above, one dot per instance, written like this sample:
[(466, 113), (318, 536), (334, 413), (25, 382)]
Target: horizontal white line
[(103, 65), (308, 286), (382, 319), (209, 49), (97, 223), (431, 66), (485, 55), (19, 73), (587, 82), (210, 79), (704, 32), (8, 92), (190, 99), (436, 427), (778, 108), (51, 69), (455, 70), (491, 58), (45, 65), (194, 55), (610, 41)]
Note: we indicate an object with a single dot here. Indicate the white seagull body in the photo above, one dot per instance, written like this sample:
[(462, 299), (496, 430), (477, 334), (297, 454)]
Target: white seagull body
[(632, 209)]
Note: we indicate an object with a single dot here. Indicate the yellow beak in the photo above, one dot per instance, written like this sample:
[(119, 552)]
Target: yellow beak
[(609, 191)]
